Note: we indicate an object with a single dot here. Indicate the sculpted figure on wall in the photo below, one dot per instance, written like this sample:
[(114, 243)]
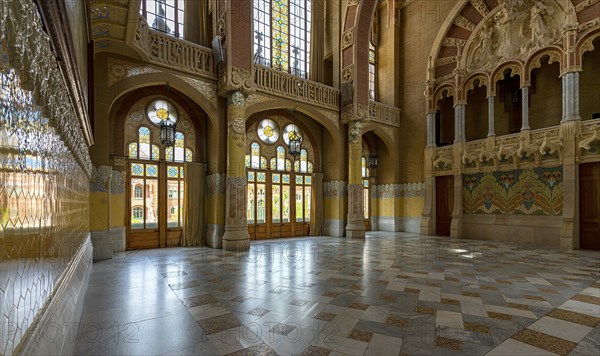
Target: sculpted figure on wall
[(516, 30)]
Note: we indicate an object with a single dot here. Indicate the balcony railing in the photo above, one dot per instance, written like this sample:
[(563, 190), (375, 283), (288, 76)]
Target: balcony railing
[(384, 114), (272, 81), (173, 52)]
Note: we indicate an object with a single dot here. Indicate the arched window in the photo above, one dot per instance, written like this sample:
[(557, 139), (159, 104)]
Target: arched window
[(280, 158), (138, 193), (372, 71), (178, 152), (373, 41), (143, 148), (365, 169), (138, 213), (164, 15), (282, 35)]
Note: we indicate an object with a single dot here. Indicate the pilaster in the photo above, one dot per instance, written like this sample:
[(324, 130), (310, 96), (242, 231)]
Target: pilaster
[(236, 236), (356, 225), (525, 108), (491, 119), (459, 123)]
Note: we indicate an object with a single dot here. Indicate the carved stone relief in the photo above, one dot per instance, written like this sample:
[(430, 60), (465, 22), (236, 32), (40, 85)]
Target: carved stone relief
[(517, 29)]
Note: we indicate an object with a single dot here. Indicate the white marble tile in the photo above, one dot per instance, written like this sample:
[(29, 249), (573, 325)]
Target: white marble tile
[(449, 319), (473, 308), (511, 311), (581, 307), (538, 281), (376, 313), (397, 284), (561, 329), (591, 291), (384, 345), (517, 348)]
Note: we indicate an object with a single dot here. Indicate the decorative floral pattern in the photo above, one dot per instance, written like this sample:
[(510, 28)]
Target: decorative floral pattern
[(522, 192)]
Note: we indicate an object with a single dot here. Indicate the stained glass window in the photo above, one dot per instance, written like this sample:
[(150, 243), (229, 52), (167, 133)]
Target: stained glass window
[(255, 155), (365, 170), (133, 150), (169, 153), (188, 155), (282, 35), (288, 165), (372, 71), (144, 143), (137, 169), (164, 15), (263, 162), (280, 158), (155, 153), (268, 131), (247, 161), (151, 170), (159, 110)]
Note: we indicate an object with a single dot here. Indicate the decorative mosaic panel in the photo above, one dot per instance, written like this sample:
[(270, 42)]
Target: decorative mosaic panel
[(44, 173), (536, 191)]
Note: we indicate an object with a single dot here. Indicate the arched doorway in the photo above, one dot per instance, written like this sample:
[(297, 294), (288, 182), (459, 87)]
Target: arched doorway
[(279, 194), (155, 173)]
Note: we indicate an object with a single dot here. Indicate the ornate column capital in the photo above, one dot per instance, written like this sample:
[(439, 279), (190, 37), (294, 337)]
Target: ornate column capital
[(233, 79)]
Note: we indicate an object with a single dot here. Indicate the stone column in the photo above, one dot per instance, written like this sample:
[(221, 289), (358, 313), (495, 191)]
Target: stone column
[(236, 236), (491, 123), (459, 123), (570, 92), (356, 216), (374, 204), (525, 108), (431, 129)]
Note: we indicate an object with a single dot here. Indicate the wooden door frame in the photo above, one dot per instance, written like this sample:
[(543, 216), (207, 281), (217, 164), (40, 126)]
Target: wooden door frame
[(163, 230), (580, 201)]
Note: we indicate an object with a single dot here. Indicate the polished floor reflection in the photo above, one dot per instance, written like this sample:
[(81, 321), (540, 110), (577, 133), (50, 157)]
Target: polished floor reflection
[(393, 293)]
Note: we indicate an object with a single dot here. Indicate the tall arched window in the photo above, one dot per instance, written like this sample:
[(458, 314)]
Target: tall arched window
[(164, 15), (366, 187), (143, 148), (373, 41), (138, 193), (282, 35), (178, 152)]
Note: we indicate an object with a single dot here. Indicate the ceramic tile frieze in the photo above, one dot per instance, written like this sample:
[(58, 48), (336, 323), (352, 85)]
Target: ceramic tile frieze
[(536, 191), (335, 189), (404, 190), (44, 173)]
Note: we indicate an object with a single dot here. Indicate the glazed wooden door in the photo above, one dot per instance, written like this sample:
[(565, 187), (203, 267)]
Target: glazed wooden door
[(589, 205), (278, 204), (143, 205), (155, 204), (256, 205), (444, 203)]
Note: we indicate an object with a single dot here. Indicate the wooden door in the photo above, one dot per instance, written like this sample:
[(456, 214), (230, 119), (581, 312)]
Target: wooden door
[(257, 203), (155, 204), (589, 206), (143, 205), (444, 204)]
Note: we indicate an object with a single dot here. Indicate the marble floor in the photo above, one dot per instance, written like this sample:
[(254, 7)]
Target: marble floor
[(391, 294)]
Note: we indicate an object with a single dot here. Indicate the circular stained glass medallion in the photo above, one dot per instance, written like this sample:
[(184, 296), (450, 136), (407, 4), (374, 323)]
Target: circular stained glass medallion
[(268, 131), (290, 131), (160, 110)]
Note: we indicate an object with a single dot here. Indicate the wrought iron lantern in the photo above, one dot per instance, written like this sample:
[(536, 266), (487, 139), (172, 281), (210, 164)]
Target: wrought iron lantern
[(372, 162), (295, 143), (295, 140), (167, 132), (167, 125)]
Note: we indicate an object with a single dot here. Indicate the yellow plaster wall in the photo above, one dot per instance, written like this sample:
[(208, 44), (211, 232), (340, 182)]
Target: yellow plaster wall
[(117, 210), (212, 215), (333, 208), (98, 211)]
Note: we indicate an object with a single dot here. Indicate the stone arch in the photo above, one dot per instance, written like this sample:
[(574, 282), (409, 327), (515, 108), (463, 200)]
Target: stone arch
[(515, 67), (585, 44), (121, 107), (471, 82), (381, 133), (554, 53), (275, 104), (355, 43), (439, 92), (206, 100)]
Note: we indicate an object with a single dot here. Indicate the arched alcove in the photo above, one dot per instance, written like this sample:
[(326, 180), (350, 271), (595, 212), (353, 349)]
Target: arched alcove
[(589, 84), (445, 121), (545, 101), (508, 104), (476, 114)]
